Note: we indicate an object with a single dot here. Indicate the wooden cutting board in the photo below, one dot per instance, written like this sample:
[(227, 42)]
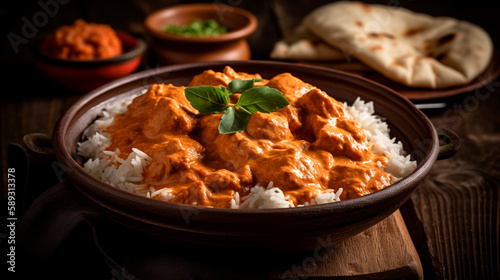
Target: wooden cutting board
[(384, 251)]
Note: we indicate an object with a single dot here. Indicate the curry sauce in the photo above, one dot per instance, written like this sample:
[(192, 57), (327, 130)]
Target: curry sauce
[(306, 148), (83, 41)]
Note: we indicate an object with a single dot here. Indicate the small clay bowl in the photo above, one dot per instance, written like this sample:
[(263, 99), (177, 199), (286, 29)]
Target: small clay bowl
[(86, 75), (173, 49), (264, 230)]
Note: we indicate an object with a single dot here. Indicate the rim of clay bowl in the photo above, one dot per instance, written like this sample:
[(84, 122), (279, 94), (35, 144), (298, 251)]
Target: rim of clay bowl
[(134, 47), (219, 9)]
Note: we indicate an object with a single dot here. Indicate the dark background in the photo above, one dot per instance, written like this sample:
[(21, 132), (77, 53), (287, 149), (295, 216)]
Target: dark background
[(25, 90), (128, 15)]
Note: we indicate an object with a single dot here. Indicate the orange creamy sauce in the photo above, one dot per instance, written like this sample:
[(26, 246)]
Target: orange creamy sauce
[(83, 41), (305, 148)]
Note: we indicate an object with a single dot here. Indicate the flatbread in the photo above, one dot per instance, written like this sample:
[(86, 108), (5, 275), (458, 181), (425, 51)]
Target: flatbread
[(414, 49), (353, 66), (304, 45)]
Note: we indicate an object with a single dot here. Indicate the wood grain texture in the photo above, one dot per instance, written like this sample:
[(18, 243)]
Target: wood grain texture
[(25, 114), (458, 203), (384, 251)]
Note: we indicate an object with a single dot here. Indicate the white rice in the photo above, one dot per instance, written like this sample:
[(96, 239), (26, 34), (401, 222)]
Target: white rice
[(126, 174), (377, 132), (107, 166), (269, 197)]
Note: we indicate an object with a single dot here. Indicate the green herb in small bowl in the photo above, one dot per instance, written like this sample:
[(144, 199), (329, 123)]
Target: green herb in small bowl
[(196, 28)]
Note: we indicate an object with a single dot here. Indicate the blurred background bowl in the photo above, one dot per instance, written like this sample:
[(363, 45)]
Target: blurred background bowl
[(86, 75), (172, 49)]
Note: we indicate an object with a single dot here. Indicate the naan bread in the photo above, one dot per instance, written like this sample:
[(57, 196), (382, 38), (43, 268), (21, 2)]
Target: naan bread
[(304, 45), (353, 66), (414, 49)]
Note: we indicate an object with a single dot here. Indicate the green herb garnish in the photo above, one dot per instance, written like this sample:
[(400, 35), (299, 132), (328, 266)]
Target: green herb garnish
[(196, 28), (210, 99)]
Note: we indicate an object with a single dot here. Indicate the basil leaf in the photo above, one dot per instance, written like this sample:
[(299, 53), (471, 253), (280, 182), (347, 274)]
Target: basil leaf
[(241, 85), (207, 99), (233, 120), (262, 99), (225, 90), (210, 99)]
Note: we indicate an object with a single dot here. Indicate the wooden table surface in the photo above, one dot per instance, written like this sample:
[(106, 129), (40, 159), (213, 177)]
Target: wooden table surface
[(453, 217)]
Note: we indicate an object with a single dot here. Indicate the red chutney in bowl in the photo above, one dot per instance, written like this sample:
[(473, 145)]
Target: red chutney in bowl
[(82, 41), (85, 56)]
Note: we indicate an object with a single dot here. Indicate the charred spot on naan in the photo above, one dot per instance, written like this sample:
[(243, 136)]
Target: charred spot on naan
[(376, 48), (381, 35), (413, 31), (397, 64), (446, 39), (427, 45), (441, 56)]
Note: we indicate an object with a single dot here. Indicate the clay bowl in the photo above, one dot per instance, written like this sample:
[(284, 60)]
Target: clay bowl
[(173, 49), (277, 230), (86, 75)]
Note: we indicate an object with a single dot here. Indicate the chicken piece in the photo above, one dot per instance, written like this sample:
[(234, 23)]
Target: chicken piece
[(223, 179), (287, 166), (233, 75), (340, 143), (238, 148), (158, 91), (273, 126), (209, 132), (172, 160), (168, 117), (293, 117), (317, 102), (210, 78), (357, 180), (196, 193), (291, 87)]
